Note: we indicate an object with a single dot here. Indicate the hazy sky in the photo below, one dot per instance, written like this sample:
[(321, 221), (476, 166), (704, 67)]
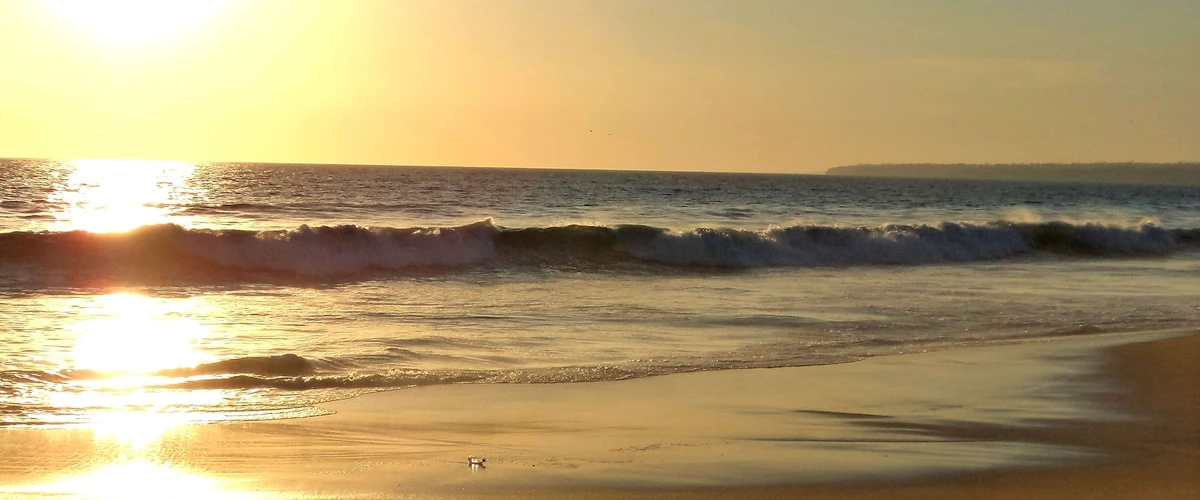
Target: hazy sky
[(788, 85)]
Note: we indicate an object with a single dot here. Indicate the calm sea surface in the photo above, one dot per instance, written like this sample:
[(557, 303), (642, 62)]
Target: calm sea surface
[(235, 291)]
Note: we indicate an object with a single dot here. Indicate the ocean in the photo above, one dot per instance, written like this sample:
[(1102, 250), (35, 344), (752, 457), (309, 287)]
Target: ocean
[(217, 292)]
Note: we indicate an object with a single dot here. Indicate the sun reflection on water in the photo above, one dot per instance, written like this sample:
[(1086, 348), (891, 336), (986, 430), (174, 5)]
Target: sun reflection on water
[(116, 359), (118, 195), (136, 430), (120, 352), (127, 354), (114, 356), (140, 480), (135, 456), (111, 371), (134, 334)]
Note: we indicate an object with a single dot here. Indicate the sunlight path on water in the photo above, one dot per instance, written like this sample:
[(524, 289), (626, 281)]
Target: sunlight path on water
[(139, 480), (119, 195), (131, 461), (118, 350), (121, 357), (135, 334)]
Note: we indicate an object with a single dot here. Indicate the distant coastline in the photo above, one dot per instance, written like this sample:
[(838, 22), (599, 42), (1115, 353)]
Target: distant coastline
[(1108, 173)]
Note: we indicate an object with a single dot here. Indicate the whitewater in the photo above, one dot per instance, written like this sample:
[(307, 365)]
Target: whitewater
[(247, 291)]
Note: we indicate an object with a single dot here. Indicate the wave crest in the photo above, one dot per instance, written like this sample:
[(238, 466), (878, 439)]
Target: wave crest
[(278, 365), (339, 251)]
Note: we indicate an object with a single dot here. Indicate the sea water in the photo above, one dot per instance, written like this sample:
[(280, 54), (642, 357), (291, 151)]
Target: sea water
[(215, 292)]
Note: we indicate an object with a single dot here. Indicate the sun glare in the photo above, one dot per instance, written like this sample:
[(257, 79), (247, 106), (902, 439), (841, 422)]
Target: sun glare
[(119, 195), (133, 334), (128, 339), (139, 480), (138, 431), (133, 21)]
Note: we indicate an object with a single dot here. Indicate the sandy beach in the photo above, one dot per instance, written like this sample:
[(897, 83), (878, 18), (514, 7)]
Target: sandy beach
[(1108, 416)]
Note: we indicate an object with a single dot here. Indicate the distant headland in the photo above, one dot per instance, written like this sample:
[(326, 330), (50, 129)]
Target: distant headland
[(1109, 173)]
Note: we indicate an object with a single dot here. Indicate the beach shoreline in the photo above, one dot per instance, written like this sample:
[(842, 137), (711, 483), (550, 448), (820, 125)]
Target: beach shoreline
[(1080, 417)]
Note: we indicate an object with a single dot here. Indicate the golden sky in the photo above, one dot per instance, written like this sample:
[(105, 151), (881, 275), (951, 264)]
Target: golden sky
[(737, 85)]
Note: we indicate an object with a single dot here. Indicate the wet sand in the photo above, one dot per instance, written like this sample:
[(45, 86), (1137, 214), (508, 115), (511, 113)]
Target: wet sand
[(1109, 416)]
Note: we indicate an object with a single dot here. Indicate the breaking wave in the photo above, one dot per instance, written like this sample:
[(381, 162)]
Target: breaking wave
[(395, 379), (398, 378), (173, 251), (278, 365)]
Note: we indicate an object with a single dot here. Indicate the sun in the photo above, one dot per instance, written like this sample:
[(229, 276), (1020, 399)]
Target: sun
[(135, 21)]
